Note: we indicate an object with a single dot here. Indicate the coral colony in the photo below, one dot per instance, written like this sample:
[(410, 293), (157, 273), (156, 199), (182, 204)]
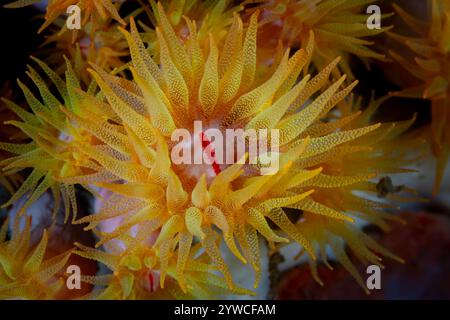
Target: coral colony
[(193, 128)]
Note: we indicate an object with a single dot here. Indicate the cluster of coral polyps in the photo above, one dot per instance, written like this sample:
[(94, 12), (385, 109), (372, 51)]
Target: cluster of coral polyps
[(102, 118)]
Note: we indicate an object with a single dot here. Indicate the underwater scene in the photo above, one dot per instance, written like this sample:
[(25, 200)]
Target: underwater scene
[(220, 149)]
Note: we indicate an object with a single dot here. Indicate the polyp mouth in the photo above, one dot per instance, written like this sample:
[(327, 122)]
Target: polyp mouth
[(210, 151), (194, 155)]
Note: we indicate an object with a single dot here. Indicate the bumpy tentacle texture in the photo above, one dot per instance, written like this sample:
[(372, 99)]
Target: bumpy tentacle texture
[(185, 204), (9, 182), (138, 273), (429, 62), (105, 47), (374, 153), (96, 40), (340, 29), (93, 11), (53, 152), (27, 271), (213, 16)]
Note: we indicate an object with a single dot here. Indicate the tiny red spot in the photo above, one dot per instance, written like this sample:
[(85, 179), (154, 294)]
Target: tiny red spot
[(212, 155), (151, 281)]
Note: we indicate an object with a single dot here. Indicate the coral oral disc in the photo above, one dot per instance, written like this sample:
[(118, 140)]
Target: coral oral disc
[(212, 154)]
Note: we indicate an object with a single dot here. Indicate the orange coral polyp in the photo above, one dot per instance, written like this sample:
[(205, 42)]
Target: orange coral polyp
[(190, 83), (160, 232), (430, 66), (26, 271), (94, 11), (340, 29), (54, 152)]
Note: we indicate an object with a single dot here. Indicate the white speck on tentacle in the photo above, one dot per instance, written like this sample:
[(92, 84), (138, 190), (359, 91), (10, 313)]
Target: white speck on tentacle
[(85, 43), (65, 137)]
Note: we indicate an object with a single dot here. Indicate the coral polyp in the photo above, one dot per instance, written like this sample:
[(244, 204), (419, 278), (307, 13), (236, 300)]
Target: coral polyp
[(207, 134), (429, 64), (208, 16), (340, 29), (223, 93), (53, 152), (94, 11), (137, 273), (26, 270), (106, 48), (371, 158)]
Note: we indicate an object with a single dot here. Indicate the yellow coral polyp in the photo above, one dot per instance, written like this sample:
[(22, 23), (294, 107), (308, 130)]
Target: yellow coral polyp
[(54, 151), (429, 64), (106, 47), (25, 270), (340, 29), (163, 227), (211, 16), (138, 274), (217, 84), (94, 11)]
